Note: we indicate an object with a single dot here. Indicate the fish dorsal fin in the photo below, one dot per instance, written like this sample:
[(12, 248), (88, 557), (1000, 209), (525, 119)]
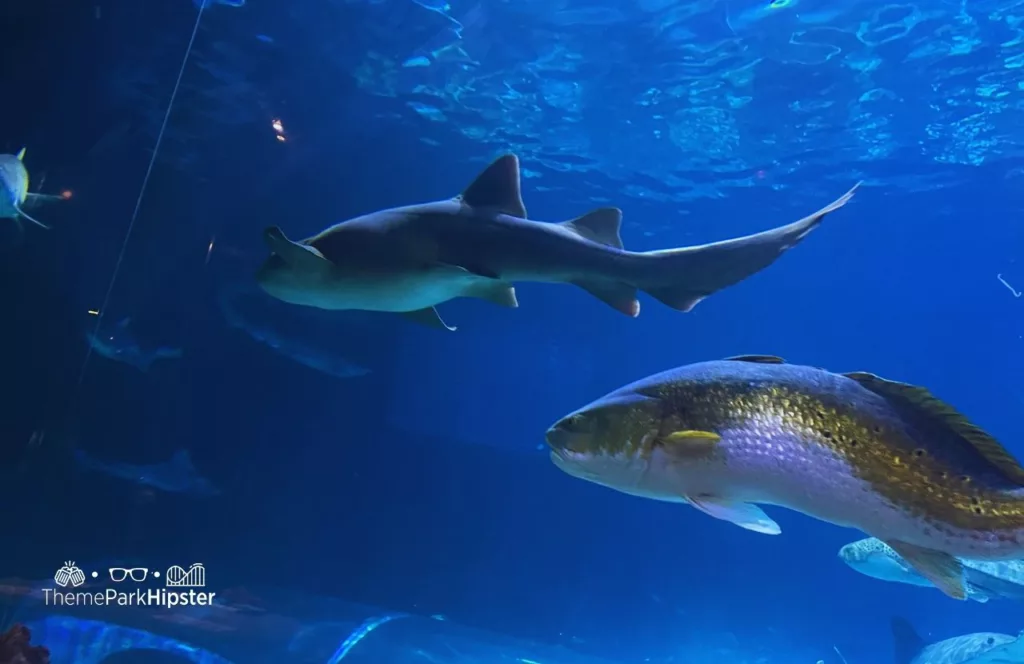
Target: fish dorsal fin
[(924, 402), (182, 459), (907, 643), (600, 226), (21, 154), (759, 359), (497, 188)]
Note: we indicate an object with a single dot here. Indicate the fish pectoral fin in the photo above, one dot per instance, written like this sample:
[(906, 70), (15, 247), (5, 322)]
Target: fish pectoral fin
[(744, 515), (497, 188), (616, 294), (476, 270), (942, 569), (498, 292), (601, 226), (689, 443), (759, 359), (34, 221), (923, 403), (428, 317), (297, 256)]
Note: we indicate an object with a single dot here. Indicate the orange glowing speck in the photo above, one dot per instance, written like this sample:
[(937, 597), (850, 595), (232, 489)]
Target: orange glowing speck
[(94, 312), (66, 194), (280, 138), (278, 127)]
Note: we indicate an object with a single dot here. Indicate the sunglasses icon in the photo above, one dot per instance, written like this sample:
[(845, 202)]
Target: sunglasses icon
[(119, 574)]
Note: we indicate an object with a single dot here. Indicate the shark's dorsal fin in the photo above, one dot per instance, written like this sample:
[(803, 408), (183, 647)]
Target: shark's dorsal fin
[(497, 188), (600, 226), (182, 459), (21, 154)]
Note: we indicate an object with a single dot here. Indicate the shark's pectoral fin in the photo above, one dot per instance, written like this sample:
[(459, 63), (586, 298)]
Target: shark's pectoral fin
[(942, 569), (428, 317), (600, 226), (497, 188), (297, 256), (744, 515), (619, 296), (498, 292)]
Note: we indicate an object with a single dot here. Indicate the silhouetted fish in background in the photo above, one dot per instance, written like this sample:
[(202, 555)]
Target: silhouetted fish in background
[(177, 475), (852, 449), (14, 194), (119, 344), (410, 259)]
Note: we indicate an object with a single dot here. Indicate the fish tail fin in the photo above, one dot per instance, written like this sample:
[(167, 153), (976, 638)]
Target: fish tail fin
[(907, 643), (34, 221), (681, 278)]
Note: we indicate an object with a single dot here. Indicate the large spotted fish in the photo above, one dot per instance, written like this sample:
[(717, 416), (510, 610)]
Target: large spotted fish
[(852, 449)]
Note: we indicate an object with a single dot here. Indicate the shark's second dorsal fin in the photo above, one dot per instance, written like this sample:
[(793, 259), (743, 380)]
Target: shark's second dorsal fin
[(600, 226), (497, 188), (21, 154)]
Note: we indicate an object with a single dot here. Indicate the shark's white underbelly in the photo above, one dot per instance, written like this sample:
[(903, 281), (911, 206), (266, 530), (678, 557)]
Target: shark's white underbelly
[(396, 292)]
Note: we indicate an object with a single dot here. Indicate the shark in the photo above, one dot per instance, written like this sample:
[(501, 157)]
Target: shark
[(14, 194), (407, 260), (977, 648), (118, 343), (176, 475)]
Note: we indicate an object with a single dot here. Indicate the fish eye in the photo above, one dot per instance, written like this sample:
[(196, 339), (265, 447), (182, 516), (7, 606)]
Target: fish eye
[(990, 640)]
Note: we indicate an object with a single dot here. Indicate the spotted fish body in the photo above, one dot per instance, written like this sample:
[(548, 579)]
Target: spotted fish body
[(984, 579), (851, 449)]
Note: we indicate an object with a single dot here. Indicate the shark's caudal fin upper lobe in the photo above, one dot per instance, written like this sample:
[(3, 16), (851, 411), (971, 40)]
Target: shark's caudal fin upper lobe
[(681, 278)]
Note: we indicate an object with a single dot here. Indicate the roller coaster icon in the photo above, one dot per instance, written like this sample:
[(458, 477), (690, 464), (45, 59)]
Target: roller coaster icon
[(179, 577)]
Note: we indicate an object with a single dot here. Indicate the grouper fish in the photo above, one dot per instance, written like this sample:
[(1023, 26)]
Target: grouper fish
[(983, 579), (410, 259), (976, 648), (852, 449)]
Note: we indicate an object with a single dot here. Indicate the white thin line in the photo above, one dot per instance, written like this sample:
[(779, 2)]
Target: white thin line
[(142, 191)]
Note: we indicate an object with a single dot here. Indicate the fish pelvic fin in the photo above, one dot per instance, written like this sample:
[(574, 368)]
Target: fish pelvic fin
[(681, 278), (34, 221), (497, 188), (501, 293), (601, 226), (428, 317), (21, 154), (745, 515), (942, 569), (921, 402)]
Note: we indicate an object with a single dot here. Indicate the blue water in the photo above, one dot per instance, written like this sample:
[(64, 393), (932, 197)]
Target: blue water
[(383, 493)]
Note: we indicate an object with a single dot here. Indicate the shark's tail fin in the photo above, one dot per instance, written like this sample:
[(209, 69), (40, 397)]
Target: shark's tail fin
[(907, 643), (681, 278)]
